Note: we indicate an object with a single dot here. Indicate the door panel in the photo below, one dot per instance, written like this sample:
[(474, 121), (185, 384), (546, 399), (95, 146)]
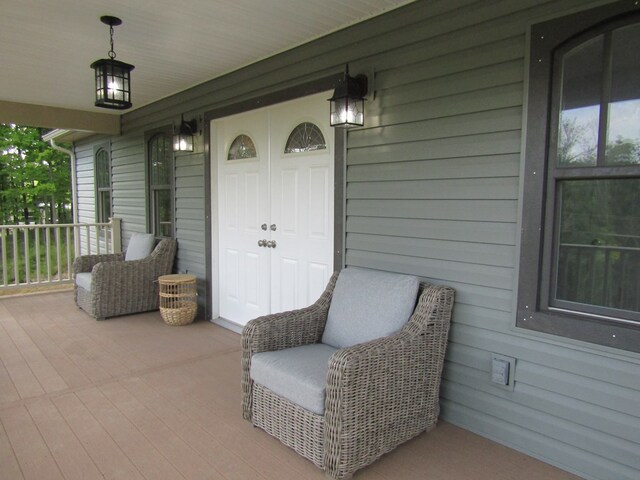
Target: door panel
[(302, 206), (244, 266)]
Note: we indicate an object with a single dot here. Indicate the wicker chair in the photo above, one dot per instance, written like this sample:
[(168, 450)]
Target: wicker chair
[(121, 287), (378, 394)]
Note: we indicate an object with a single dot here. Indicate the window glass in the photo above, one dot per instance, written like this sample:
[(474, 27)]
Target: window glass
[(599, 243), (164, 213), (242, 147), (306, 137), (161, 155), (580, 105), (103, 175), (623, 130)]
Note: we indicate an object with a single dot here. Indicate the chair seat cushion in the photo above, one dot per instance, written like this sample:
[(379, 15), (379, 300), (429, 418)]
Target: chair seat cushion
[(140, 246), (368, 304), (298, 374), (84, 280)]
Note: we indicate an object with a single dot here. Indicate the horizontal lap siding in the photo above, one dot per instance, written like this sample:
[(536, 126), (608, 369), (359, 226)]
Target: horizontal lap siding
[(433, 190), (190, 221), (128, 183)]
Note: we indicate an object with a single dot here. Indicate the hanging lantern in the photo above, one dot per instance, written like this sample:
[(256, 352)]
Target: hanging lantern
[(183, 140), (347, 103), (113, 78)]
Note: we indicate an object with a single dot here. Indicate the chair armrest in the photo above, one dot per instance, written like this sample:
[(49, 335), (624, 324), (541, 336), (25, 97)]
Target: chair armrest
[(279, 331), (85, 263), (395, 380)]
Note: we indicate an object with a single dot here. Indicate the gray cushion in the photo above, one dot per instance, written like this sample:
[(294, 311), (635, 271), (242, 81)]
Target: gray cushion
[(84, 280), (368, 304), (140, 246), (298, 374)]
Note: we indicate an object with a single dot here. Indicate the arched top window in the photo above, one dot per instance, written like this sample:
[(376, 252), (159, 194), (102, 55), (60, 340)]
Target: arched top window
[(306, 137), (582, 172), (103, 170), (160, 159), (242, 147)]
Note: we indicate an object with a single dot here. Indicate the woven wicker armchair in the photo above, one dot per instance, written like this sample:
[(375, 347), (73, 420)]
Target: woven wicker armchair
[(121, 287), (379, 394)]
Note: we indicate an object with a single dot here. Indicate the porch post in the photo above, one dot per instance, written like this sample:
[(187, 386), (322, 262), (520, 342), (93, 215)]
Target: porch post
[(116, 237)]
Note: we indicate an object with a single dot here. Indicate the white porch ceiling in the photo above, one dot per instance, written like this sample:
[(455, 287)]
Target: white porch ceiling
[(46, 46)]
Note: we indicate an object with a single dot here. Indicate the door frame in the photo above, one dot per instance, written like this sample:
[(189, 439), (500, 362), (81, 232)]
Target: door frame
[(211, 180)]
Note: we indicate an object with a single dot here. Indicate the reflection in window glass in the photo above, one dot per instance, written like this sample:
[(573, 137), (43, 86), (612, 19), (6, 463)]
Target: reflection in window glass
[(599, 243), (242, 147), (623, 129), (580, 105), (164, 217), (306, 137)]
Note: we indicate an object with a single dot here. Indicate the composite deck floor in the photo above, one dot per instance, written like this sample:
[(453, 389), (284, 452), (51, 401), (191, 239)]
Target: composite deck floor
[(132, 398)]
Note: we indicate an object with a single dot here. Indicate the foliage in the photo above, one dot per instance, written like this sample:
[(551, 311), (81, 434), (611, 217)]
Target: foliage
[(34, 178)]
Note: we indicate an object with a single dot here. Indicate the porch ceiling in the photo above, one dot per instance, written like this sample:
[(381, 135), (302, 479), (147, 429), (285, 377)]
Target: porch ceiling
[(46, 47)]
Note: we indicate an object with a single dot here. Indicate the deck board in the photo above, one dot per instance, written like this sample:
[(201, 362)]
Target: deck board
[(132, 398)]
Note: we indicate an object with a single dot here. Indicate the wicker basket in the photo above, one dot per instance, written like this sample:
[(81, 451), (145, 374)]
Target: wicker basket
[(178, 304)]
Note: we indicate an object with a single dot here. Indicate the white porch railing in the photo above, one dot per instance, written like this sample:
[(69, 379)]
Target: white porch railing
[(32, 255)]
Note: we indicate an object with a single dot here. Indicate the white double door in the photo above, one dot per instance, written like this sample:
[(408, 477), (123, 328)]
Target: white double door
[(275, 211)]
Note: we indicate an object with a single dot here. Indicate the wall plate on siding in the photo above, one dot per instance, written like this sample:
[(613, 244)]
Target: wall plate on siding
[(503, 371)]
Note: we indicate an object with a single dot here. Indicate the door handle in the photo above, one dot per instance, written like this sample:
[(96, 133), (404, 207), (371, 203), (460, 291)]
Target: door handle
[(264, 227), (262, 243), (273, 227), (271, 244)]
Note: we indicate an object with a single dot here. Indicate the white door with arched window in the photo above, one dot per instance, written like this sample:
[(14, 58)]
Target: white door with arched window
[(275, 207)]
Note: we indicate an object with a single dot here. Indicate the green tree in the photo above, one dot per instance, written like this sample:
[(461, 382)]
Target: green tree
[(34, 178)]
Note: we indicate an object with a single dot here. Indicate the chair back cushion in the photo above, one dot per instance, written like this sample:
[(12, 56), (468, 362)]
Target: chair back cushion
[(368, 304), (298, 374), (140, 246)]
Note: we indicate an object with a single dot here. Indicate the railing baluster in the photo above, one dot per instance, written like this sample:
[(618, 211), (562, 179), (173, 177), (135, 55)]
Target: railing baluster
[(37, 242), (48, 253), (5, 276), (96, 229), (15, 257), (87, 234), (68, 231), (57, 235), (27, 257)]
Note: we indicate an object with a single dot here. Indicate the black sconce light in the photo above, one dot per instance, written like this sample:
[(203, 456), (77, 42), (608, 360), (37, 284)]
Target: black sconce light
[(183, 140), (347, 103), (113, 78)]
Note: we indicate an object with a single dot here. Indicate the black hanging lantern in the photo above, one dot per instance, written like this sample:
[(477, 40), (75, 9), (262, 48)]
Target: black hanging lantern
[(183, 140), (113, 78), (347, 103)]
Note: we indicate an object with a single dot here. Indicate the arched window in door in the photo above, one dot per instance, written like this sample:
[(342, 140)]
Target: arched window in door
[(306, 137), (242, 147)]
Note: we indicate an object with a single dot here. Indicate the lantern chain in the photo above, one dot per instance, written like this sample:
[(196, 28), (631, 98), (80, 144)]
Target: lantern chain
[(112, 53)]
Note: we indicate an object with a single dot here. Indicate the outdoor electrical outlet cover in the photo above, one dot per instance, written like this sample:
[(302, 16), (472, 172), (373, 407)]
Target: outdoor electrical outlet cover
[(503, 371)]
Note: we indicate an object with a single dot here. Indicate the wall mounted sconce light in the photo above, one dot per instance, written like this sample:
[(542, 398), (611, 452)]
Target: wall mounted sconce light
[(347, 103), (183, 140), (113, 78)]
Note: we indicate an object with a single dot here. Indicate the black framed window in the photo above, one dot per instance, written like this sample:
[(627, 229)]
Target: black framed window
[(160, 176), (102, 170), (580, 259)]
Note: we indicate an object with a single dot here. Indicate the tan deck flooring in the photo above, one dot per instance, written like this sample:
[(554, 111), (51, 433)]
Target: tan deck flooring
[(131, 398)]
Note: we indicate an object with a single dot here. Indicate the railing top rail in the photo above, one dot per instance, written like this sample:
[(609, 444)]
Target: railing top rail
[(55, 225)]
